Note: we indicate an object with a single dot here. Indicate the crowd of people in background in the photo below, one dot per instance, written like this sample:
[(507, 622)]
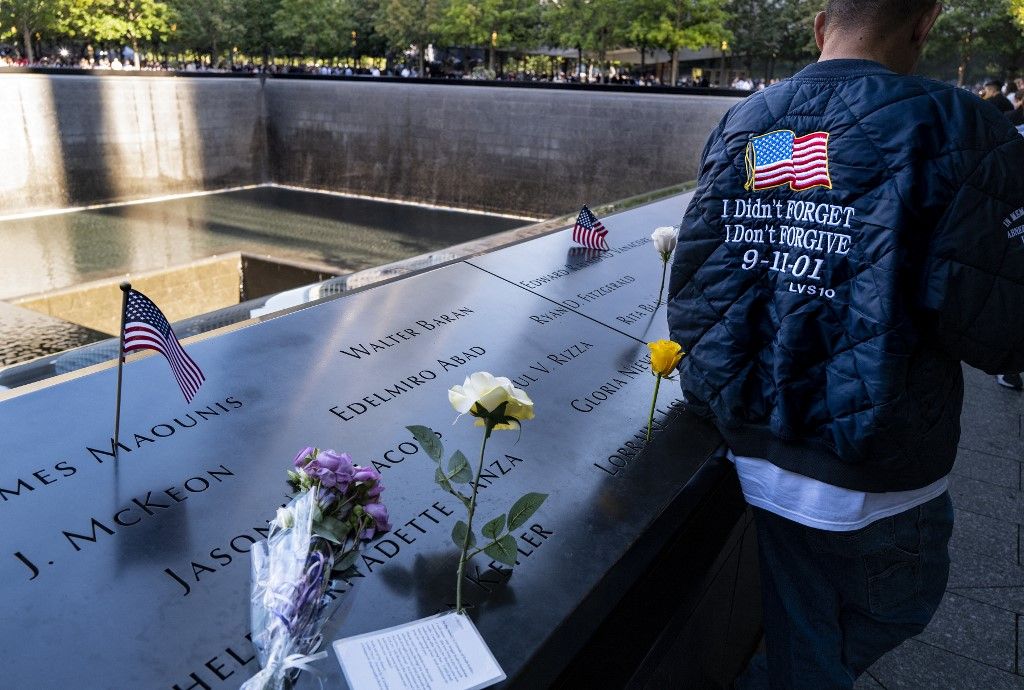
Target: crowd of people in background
[(620, 75), (1008, 98), (629, 75)]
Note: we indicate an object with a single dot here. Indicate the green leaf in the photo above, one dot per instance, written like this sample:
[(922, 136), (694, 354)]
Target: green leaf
[(428, 441), (326, 534), (458, 469), (442, 480), (459, 532), (347, 561), (503, 550), (332, 529), (524, 508), (493, 528)]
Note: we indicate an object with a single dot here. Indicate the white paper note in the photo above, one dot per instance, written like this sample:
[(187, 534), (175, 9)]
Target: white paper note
[(443, 652)]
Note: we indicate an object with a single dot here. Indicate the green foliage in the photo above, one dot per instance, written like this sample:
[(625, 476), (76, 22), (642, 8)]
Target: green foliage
[(503, 550), (1016, 8), (493, 528), (459, 471), (406, 23), (257, 34), (974, 31), (974, 38), (690, 24), (524, 508), (121, 21), (459, 534), (769, 31), (490, 23), (369, 41), (644, 25), (331, 529), (207, 24), (499, 542), (590, 25), (32, 16), (428, 441), (314, 27)]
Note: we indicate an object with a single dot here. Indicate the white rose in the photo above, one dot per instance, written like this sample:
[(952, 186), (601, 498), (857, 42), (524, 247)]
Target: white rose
[(665, 240), (482, 393)]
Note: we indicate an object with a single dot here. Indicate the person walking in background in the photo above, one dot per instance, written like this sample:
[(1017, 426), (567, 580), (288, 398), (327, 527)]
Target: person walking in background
[(1016, 116), (993, 93), (855, 234)]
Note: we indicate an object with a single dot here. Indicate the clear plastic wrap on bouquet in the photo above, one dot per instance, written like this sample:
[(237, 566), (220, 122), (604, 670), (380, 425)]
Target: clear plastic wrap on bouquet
[(313, 540), (291, 572)]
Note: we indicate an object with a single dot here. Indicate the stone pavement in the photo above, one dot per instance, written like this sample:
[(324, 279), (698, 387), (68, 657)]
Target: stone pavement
[(975, 640)]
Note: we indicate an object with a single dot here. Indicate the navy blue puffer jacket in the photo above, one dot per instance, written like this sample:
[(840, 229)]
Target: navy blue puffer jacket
[(855, 234)]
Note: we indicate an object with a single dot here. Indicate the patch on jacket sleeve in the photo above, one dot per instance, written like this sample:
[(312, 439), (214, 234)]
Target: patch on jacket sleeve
[(781, 158), (1014, 224)]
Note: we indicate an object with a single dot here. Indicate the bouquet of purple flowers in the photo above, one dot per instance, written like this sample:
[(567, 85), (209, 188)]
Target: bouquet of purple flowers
[(313, 540)]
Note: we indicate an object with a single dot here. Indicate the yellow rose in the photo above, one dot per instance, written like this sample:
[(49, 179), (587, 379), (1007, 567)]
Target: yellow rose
[(665, 357), (482, 393)]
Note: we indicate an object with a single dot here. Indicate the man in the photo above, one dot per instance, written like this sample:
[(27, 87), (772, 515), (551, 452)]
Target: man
[(993, 93), (856, 232)]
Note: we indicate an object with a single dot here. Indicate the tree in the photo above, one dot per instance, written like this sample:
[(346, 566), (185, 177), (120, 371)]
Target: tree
[(30, 17), (766, 31), (206, 24), (257, 34), (130, 21), (642, 32), (314, 27), (1016, 8), (491, 23), (368, 40), (406, 23), (966, 30), (690, 25), (596, 26)]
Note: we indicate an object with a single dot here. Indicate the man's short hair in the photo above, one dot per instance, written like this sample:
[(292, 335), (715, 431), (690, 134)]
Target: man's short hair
[(874, 13)]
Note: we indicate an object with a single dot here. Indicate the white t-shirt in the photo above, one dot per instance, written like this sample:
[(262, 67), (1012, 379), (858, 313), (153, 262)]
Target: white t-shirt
[(819, 505)]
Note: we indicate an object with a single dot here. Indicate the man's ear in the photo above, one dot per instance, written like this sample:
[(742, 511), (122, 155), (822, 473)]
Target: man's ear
[(820, 26), (926, 23)]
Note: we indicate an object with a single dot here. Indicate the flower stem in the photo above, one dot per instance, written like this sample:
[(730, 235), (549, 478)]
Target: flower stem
[(650, 419), (661, 290), (469, 523)]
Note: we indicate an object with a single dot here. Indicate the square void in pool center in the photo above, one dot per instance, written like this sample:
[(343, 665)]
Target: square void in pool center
[(51, 252)]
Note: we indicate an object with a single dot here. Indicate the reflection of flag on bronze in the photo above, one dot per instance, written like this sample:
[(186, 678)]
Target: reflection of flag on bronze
[(146, 328), (589, 231), (581, 256), (781, 158)]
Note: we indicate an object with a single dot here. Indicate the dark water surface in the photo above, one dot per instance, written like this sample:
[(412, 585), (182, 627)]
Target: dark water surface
[(51, 252)]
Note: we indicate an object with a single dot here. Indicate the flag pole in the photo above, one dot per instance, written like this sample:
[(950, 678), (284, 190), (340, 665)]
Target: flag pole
[(125, 289)]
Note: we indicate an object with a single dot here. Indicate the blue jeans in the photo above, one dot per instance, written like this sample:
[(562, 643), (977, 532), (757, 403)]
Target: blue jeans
[(835, 602)]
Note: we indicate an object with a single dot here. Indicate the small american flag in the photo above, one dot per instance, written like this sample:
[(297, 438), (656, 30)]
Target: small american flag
[(146, 328), (589, 231), (782, 158)]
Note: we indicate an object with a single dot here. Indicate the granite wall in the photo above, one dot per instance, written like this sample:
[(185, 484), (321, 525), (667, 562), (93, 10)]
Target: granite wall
[(72, 140), (69, 140), (537, 152)]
